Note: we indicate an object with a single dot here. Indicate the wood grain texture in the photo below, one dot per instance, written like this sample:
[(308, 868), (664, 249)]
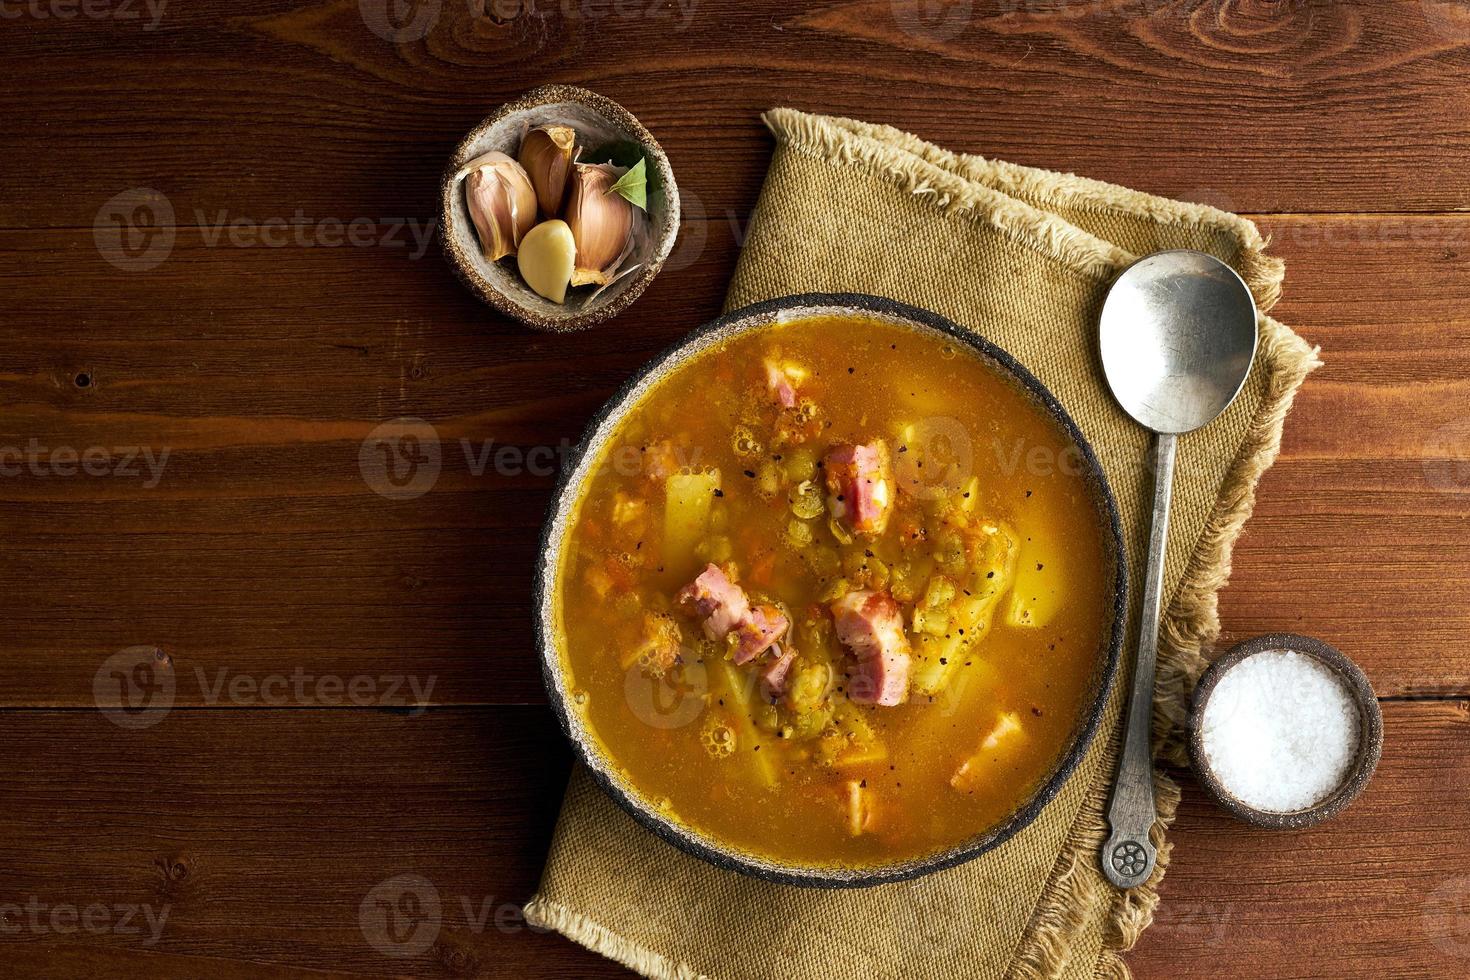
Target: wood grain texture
[(269, 108), (1382, 891), (263, 839), (263, 550), (254, 838), (300, 302)]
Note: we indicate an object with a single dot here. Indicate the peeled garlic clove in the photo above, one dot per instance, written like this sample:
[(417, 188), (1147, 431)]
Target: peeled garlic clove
[(501, 201), (601, 223), (546, 154), (547, 257)]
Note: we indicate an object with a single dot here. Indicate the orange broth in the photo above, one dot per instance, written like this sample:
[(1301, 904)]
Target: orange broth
[(991, 499)]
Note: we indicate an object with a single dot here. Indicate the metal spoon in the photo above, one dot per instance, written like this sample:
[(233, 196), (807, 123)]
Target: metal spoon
[(1177, 335)]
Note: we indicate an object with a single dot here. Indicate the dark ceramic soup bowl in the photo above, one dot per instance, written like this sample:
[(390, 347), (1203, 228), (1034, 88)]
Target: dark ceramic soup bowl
[(569, 487)]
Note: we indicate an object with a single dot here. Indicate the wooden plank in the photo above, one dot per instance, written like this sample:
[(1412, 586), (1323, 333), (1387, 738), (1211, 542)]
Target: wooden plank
[(1382, 891), (1356, 527), (1258, 106), (233, 523), (262, 549), (249, 842), (264, 831)]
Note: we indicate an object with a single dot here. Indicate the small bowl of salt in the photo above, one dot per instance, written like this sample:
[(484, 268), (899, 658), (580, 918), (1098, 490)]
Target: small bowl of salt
[(1285, 731)]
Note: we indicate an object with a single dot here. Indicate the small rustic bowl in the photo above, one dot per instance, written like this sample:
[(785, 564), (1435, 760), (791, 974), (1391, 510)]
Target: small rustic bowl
[(1370, 731), (598, 121)]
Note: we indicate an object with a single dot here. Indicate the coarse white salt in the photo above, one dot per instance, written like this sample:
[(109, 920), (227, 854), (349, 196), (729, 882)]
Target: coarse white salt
[(1280, 731)]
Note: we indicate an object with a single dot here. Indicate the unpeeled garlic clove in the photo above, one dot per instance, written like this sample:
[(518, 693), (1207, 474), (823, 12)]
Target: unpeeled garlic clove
[(546, 155), (547, 257), (601, 223), (501, 201)]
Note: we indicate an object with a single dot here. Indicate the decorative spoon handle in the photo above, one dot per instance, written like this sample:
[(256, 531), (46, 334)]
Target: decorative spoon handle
[(1128, 856)]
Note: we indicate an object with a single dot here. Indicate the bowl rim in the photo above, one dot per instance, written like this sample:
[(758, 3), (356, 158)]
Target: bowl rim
[(1370, 731), (463, 265), (563, 499)]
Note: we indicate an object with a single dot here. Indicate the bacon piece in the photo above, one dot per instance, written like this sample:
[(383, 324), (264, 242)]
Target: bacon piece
[(726, 609), (870, 625), (775, 677), (781, 381), (758, 633), (860, 485), (719, 601)]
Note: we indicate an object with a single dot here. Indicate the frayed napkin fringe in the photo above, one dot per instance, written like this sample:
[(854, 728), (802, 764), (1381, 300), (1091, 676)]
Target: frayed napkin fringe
[(546, 914), (997, 192)]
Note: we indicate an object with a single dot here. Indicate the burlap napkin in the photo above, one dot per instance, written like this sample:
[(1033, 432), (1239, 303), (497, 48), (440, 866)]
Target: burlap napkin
[(1021, 256)]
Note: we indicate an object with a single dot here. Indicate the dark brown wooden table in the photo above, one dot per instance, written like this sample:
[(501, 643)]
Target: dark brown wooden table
[(272, 299)]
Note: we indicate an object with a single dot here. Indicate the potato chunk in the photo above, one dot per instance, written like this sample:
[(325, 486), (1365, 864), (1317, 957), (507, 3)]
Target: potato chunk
[(976, 771)]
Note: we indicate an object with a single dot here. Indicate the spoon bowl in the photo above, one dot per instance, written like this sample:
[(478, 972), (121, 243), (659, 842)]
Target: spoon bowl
[(1177, 335)]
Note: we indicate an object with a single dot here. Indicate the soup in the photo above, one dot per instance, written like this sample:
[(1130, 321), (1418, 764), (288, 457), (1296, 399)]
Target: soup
[(834, 594)]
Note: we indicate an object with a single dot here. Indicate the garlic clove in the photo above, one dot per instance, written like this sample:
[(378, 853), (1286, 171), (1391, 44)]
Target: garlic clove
[(601, 223), (546, 155), (547, 257), (501, 202)]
